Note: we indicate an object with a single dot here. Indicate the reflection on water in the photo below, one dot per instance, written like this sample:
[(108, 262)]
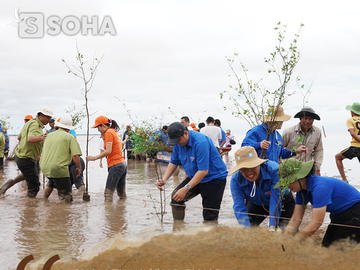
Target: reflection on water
[(83, 229), (46, 228)]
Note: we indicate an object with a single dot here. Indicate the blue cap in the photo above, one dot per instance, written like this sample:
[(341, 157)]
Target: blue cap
[(72, 132)]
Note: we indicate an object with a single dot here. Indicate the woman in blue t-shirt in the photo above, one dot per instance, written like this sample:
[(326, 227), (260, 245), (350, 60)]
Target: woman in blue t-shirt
[(326, 194)]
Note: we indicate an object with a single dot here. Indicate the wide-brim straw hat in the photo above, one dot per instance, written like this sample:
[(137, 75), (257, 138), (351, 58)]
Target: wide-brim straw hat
[(307, 112), (292, 170), (65, 122), (246, 157), (276, 114)]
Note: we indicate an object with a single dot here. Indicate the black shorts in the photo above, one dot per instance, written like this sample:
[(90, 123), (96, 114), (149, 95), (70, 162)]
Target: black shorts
[(351, 152), (63, 185)]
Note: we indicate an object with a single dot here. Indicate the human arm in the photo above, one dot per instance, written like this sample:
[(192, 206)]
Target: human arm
[(106, 152), (238, 195), (169, 171), (76, 159), (318, 215), (180, 194), (254, 137), (354, 135), (295, 220)]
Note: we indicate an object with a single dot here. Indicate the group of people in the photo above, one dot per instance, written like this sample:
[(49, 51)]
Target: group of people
[(270, 168), (56, 152), (261, 187)]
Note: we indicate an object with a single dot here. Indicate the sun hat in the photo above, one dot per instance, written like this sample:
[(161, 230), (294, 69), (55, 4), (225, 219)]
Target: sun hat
[(276, 114), (355, 108), (65, 122), (28, 117), (292, 170), (246, 157), (307, 112), (46, 111), (175, 131), (101, 120)]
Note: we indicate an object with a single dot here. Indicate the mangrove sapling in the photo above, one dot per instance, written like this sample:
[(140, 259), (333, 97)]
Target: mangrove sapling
[(144, 130), (248, 98), (79, 71)]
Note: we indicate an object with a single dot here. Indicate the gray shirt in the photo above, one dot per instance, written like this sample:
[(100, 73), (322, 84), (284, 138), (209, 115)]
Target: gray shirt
[(312, 140)]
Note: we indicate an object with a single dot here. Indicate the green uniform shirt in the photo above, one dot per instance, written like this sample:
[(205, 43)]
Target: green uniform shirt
[(2, 144), (59, 148), (34, 127)]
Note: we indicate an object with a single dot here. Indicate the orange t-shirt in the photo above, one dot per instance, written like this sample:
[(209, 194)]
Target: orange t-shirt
[(115, 157)]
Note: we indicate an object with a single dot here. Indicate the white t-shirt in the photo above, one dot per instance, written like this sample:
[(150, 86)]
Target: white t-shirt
[(213, 132), (101, 144)]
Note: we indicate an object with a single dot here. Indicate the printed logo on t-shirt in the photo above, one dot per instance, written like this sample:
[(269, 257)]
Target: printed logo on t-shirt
[(192, 159)]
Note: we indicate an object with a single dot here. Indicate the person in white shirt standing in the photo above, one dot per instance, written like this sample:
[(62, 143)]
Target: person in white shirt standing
[(212, 131)]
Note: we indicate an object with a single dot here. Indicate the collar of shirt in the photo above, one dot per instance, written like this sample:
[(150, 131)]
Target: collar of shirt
[(298, 129), (39, 122)]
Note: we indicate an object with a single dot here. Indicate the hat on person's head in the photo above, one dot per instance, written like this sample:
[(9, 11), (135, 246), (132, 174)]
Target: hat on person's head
[(355, 108), (276, 114), (28, 117), (292, 170), (4, 129), (65, 122), (52, 120), (101, 120), (46, 111), (72, 132), (307, 112), (246, 157), (192, 125), (175, 131)]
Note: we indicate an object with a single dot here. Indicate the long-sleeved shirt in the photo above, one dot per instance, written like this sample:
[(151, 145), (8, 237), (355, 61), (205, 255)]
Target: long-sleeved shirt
[(275, 151), (312, 140), (262, 194)]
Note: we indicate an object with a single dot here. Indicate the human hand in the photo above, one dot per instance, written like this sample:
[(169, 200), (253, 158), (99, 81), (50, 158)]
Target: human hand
[(160, 183), (90, 158), (301, 149), (264, 144), (78, 171), (180, 194)]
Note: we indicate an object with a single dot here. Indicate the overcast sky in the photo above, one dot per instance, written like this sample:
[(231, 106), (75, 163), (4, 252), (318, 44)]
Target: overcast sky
[(173, 54)]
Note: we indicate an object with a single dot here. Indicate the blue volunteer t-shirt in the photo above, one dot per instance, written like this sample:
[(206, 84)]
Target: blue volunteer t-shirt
[(275, 151), (263, 194), (198, 155), (322, 191)]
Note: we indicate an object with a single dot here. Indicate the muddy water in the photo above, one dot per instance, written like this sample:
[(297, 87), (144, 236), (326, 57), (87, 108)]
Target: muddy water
[(78, 232)]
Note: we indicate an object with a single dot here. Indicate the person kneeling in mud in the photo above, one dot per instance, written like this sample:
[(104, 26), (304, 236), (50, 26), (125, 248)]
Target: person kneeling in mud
[(205, 169), (253, 194), (60, 148), (326, 194)]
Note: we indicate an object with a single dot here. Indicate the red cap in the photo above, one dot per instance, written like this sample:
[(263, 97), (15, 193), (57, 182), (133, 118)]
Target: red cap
[(28, 117)]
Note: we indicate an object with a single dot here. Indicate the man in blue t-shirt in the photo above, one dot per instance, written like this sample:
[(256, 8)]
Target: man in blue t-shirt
[(205, 169)]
